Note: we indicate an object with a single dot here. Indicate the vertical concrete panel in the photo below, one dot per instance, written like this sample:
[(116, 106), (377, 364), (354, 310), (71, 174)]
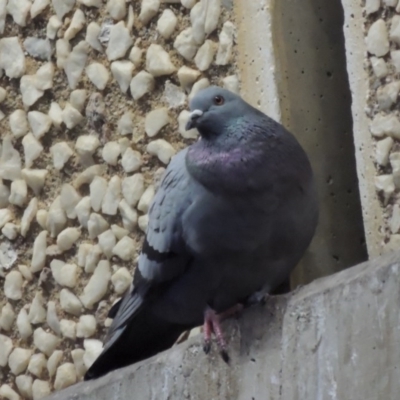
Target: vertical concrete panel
[(315, 103)]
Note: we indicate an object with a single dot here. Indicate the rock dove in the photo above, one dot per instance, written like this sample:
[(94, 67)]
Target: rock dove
[(233, 215)]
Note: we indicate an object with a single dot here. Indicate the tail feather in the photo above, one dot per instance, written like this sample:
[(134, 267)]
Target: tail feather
[(145, 336)]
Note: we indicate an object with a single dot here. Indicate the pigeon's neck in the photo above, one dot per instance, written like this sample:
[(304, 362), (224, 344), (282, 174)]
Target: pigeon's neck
[(250, 162)]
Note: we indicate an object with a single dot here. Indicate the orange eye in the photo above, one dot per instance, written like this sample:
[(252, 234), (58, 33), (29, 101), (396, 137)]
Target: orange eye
[(219, 100)]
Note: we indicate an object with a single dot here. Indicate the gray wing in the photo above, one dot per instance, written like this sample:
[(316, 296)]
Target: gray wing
[(164, 253)]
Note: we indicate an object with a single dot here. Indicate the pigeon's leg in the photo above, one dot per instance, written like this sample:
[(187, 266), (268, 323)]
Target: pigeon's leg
[(212, 324)]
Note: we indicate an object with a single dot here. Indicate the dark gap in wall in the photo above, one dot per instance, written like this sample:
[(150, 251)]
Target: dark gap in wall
[(315, 101)]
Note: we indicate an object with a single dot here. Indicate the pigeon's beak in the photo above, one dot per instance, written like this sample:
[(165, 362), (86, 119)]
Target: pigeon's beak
[(193, 117)]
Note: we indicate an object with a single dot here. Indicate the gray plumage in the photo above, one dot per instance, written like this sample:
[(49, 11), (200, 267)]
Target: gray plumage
[(235, 212)]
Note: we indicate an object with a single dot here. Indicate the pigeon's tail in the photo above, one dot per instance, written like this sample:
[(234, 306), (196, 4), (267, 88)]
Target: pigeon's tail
[(145, 336)]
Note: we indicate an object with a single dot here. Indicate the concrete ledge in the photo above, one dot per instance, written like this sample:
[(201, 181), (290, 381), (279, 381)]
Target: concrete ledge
[(336, 338)]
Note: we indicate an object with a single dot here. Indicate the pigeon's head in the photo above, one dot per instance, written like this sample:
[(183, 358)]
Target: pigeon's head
[(212, 109)]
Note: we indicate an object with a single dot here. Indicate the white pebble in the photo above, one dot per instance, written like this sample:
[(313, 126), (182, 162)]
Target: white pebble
[(92, 36), (13, 285), (92, 259), (7, 317), (372, 6), (10, 231), (107, 242), (18, 193), (86, 327), (10, 161), (173, 95), (183, 118), (125, 124), (40, 123), (231, 83), (156, 120), (133, 188), (77, 99), (53, 362), (119, 43), (25, 271), (377, 39), (199, 85), (166, 24), (71, 116), (124, 143), (131, 160), (85, 146), (98, 75), (38, 6), (143, 221), (97, 286), (148, 10), (96, 225), (8, 393), (32, 149), (82, 210), (65, 376), (6, 346), (19, 123), (158, 62), (24, 385), (141, 84), (19, 359), (45, 342), (28, 216), (38, 48), (185, 44), (37, 312), (205, 55), (64, 274), (39, 252), (61, 153), (225, 46), (12, 58), (122, 73), (52, 318), (188, 3), (91, 3), (56, 218), (386, 95), (136, 55), (77, 358), (110, 153), (197, 19), (121, 280), (98, 189), (69, 198), (128, 214), (77, 23), (70, 303), (385, 125), (385, 185), (383, 148), (75, 63), (62, 7), (29, 90), (55, 114), (162, 149), (68, 329), (37, 364), (35, 178), (116, 9), (40, 388), (53, 26), (118, 231), (67, 238), (112, 196), (125, 249), (23, 325), (146, 199), (93, 348)]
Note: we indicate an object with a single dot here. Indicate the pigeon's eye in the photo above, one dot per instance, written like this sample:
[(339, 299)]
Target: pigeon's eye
[(219, 100)]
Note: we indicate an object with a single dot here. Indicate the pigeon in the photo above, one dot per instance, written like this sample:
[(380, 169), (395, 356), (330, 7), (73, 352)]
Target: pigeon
[(233, 215)]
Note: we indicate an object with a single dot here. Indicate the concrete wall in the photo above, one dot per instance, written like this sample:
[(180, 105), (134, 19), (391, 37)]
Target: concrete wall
[(337, 338), (291, 56)]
